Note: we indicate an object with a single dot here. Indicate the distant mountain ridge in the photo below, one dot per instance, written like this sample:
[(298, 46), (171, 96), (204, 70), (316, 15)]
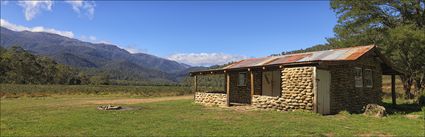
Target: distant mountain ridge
[(99, 56)]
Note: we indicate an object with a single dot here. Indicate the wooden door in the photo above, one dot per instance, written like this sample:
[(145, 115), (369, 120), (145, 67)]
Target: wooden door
[(323, 81)]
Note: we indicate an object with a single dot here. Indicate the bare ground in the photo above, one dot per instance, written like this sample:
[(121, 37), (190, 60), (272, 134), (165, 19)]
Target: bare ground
[(139, 100)]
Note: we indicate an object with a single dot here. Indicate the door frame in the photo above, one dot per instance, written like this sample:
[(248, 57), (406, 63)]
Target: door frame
[(317, 93)]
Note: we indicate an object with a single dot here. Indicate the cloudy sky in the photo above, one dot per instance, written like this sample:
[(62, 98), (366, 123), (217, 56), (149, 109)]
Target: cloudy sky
[(196, 33)]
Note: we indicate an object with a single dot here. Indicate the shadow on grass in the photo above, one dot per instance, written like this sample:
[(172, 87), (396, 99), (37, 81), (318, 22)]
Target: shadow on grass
[(403, 108)]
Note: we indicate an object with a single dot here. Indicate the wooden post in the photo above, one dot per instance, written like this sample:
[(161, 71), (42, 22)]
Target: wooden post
[(393, 95), (315, 81), (225, 83), (252, 84), (228, 89), (195, 84)]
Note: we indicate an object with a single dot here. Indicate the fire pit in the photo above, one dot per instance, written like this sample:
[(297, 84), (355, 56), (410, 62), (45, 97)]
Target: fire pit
[(109, 107)]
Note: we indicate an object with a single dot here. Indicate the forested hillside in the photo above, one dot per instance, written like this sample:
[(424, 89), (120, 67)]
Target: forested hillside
[(96, 58), (18, 66)]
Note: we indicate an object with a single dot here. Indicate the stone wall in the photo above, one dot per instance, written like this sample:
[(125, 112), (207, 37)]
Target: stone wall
[(343, 93), (268, 102), (297, 91), (298, 88), (211, 99)]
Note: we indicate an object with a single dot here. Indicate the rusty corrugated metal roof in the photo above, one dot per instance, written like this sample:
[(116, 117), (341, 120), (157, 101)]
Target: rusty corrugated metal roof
[(351, 53)]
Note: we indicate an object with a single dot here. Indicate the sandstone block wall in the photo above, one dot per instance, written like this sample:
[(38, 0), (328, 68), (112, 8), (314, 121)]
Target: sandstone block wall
[(268, 102), (297, 91), (211, 99), (297, 87)]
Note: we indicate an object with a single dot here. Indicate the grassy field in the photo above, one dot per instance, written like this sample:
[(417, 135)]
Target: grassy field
[(72, 115), (14, 91)]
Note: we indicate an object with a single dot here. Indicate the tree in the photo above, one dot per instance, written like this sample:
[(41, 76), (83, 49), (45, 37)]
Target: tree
[(100, 79), (406, 46), (18, 66), (398, 27), (3, 66)]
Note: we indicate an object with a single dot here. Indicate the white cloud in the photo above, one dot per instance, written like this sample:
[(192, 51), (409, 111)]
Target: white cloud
[(83, 7), (14, 27), (132, 50), (93, 39), (32, 7), (89, 38), (205, 59), (4, 2)]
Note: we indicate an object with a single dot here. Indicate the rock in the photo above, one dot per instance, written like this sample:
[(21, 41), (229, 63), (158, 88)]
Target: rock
[(374, 110)]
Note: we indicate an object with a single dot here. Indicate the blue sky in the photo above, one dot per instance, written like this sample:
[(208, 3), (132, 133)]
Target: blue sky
[(193, 32)]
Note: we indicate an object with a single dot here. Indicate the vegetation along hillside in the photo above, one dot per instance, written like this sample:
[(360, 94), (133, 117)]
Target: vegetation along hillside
[(396, 27), (97, 58), (18, 66)]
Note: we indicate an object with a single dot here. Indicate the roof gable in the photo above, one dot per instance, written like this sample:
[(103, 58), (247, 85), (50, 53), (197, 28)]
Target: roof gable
[(342, 54)]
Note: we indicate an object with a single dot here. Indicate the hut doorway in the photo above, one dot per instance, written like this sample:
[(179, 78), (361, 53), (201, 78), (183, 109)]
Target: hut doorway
[(323, 80)]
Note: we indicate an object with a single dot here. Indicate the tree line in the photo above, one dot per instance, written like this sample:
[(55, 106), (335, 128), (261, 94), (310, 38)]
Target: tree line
[(396, 27), (18, 66)]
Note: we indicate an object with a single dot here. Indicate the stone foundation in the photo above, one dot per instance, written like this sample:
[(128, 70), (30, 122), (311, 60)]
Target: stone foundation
[(297, 91), (268, 102), (211, 99)]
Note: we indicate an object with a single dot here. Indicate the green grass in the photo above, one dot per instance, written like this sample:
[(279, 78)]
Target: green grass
[(14, 90), (69, 116)]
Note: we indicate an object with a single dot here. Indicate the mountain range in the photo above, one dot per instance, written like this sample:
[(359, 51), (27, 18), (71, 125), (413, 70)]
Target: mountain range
[(96, 57)]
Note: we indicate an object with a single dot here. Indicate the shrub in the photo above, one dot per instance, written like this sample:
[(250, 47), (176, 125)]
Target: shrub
[(421, 99)]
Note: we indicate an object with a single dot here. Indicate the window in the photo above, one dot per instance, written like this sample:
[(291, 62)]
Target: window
[(242, 79), (358, 77), (368, 78)]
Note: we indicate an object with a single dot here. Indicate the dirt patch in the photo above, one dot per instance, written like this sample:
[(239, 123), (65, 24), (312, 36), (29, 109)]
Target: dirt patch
[(378, 134), (139, 100), (412, 116), (328, 134)]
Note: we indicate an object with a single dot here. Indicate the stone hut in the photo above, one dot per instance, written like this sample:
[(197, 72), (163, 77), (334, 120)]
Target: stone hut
[(324, 82)]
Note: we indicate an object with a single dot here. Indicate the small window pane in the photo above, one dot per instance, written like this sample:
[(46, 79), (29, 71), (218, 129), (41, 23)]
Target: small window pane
[(242, 79), (368, 80), (358, 77)]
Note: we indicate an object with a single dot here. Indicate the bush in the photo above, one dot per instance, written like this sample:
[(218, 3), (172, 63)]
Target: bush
[(14, 90), (421, 99)]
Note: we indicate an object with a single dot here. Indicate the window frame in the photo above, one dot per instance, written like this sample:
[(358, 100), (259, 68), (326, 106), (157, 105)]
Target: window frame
[(244, 80), (358, 80), (368, 77)]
